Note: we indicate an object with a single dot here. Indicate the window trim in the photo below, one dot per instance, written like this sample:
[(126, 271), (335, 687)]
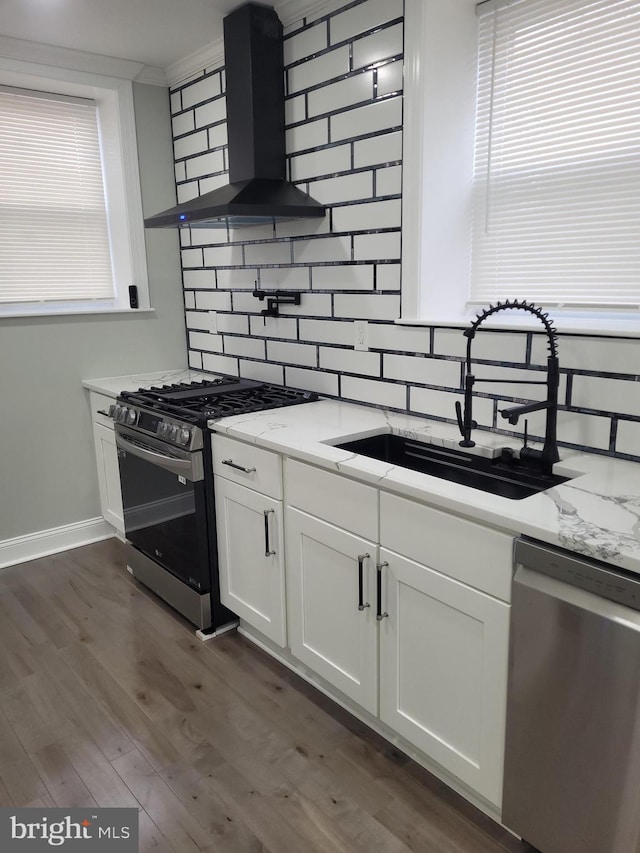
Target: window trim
[(414, 268), (117, 126)]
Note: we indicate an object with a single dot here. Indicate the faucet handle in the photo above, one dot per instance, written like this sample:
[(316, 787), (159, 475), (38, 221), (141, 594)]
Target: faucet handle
[(526, 432), (459, 417)]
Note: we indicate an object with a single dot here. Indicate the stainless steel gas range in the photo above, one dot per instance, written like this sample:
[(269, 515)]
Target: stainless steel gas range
[(166, 476)]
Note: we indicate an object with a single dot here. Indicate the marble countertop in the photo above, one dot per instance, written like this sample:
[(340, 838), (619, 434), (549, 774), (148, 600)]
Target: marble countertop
[(113, 385), (596, 513)]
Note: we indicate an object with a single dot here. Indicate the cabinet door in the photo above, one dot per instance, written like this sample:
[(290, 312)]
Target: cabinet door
[(327, 630), (251, 565), (443, 671), (108, 475)]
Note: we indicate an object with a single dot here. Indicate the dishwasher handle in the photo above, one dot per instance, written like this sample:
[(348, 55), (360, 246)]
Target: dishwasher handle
[(558, 572)]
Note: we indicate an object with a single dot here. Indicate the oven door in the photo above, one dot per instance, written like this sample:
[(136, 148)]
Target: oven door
[(164, 502)]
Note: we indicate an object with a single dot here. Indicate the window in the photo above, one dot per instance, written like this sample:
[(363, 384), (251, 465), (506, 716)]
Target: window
[(548, 207), (71, 226)]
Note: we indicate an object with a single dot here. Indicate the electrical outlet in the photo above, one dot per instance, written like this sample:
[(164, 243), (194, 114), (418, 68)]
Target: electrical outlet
[(361, 334), (213, 322)]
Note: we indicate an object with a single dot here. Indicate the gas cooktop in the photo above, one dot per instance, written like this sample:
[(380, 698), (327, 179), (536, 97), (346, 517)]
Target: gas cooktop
[(196, 402)]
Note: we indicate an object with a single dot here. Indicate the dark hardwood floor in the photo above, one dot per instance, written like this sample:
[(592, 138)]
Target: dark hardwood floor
[(108, 699)]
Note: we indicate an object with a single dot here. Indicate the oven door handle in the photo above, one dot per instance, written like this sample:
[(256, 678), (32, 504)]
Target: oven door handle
[(187, 468)]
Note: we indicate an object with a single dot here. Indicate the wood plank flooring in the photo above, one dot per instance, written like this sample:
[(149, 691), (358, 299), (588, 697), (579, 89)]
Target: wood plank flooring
[(108, 699)]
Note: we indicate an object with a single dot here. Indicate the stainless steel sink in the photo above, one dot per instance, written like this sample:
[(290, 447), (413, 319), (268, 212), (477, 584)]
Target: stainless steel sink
[(501, 475)]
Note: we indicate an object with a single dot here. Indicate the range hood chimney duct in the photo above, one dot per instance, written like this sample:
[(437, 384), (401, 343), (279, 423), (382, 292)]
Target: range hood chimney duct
[(257, 191)]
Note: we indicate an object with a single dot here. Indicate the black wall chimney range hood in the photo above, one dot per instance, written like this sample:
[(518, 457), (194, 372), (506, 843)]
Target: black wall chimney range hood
[(257, 191)]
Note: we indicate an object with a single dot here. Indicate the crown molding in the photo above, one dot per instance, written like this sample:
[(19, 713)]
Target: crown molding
[(152, 75), (212, 56), (61, 57)]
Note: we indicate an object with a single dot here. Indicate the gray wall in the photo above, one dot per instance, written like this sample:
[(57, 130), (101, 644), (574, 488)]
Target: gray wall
[(47, 461)]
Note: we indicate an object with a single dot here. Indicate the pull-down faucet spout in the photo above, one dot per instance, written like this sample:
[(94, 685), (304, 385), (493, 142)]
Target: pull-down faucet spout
[(546, 457)]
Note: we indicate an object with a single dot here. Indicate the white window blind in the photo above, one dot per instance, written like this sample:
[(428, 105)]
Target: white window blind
[(556, 215), (54, 240)]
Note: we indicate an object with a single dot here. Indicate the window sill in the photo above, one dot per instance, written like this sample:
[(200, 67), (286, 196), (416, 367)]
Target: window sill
[(586, 326), (72, 312)]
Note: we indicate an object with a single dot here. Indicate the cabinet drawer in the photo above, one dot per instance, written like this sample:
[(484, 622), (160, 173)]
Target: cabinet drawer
[(248, 465), (469, 552), (333, 498), (99, 404)]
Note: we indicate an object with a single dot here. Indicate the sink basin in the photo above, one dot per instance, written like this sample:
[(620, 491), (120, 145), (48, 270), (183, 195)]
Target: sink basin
[(506, 478)]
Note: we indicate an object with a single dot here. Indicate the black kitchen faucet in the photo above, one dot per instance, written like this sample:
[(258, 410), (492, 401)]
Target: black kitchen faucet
[(543, 459)]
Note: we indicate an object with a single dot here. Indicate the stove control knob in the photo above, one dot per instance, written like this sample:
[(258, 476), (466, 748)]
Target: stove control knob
[(132, 416), (118, 413), (184, 436), (112, 411), (162, 429)]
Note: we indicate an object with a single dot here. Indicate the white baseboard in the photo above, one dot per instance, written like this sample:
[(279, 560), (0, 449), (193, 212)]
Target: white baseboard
[(21, 549)]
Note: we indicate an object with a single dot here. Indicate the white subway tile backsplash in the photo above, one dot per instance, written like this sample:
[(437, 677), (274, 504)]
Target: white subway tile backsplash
[(367, 216), (311, 380), (262, 372), (584, 430), (344, 188), (213, 182), (175, 101), (380, 45), (342, 277), (441, 404), (206, 236), (205, 341), (328, 161), (327, 331), (400, 338), (223, 256), (303, 227), (191, 144), (350, 361), (197, 320), (311, 134), (389, 180), (201, 90), (182, 123), (313, 304), (195, 359), (211, 113), (305, 43), (217, 135), (322, 250), (387, 394), (376, 246), (389, 79), (384, 148), (268, 253), (237, 279), (607, 395), (489, 346), (199, 278), (205, 164), (191, 257), (285, 278), (425, 371), (220, 364), (303, 354), (628, 438), (313, 72), (387, 276), (185, 192), (363, 17), (189, 300), (180, 172), (342, 94), (249, 347), (213, 300), (361, 121), (364, 306), (295, 109), (516, 387), (614, 355), (274, 327), (237, 324)]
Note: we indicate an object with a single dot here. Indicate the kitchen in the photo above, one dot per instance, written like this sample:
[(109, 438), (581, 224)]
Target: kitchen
[(310, 346)]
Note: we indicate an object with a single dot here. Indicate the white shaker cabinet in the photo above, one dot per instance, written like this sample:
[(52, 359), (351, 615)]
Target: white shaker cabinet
[(107, 461), (250, 535)]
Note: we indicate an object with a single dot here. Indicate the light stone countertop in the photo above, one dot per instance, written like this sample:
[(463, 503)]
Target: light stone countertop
[(597, 513)]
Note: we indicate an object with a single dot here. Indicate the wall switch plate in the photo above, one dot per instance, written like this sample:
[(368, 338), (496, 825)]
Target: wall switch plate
[(213, 322), (361, 334)]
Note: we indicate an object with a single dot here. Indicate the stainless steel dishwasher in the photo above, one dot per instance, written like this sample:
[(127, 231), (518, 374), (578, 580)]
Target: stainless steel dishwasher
[(572, 758)]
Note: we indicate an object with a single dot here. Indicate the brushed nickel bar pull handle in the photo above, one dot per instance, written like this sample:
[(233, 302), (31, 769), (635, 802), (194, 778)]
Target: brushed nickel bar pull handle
[(267, 548), (232, 464), (379, 614), (361, 559)]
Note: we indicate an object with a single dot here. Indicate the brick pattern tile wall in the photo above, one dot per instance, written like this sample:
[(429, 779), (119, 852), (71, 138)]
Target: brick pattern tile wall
[(344, 147)]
